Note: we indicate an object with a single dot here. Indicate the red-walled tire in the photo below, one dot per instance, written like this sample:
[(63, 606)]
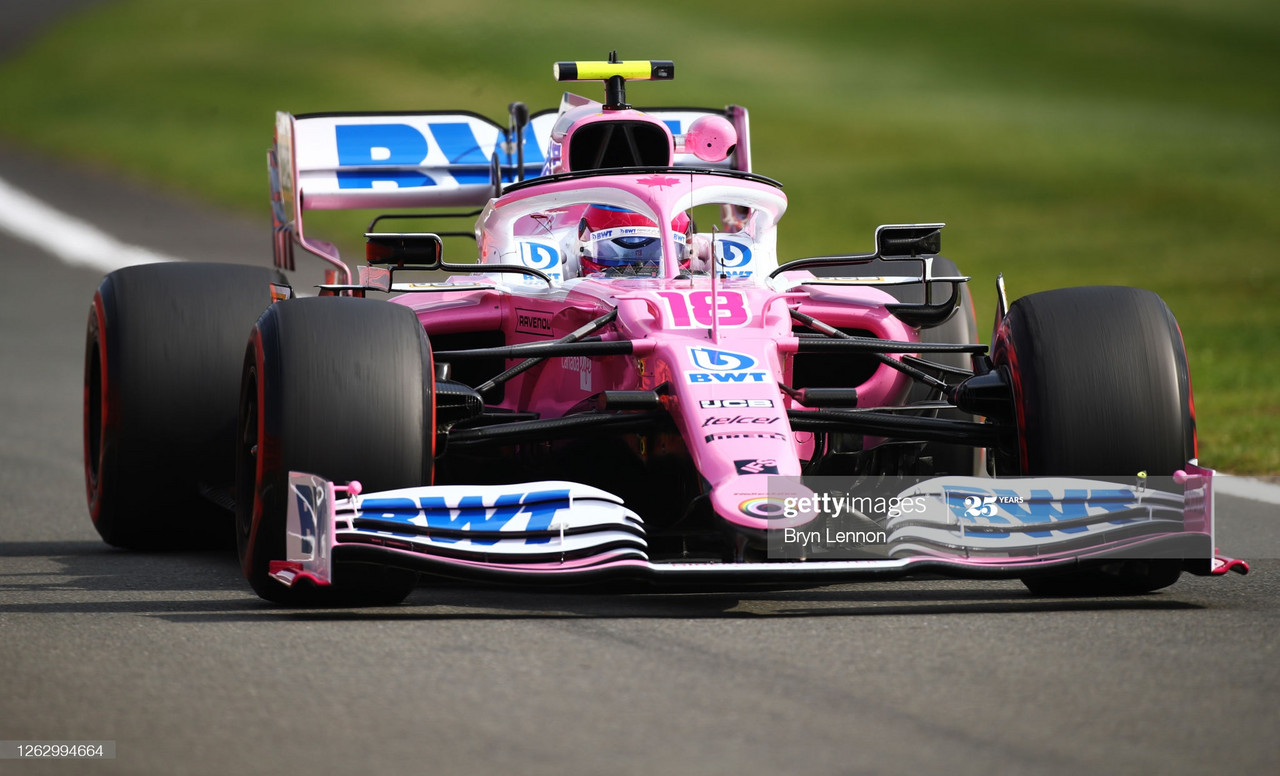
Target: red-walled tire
[(1101, 388), (341, 388), (161, 390)]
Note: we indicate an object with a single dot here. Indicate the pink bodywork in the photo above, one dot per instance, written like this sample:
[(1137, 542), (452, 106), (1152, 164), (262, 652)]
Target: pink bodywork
[(708, 339), (717, 348)]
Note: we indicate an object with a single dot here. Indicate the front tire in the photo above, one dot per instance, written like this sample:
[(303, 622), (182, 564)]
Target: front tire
[(341, 388), (1101, 388), (163, 351)]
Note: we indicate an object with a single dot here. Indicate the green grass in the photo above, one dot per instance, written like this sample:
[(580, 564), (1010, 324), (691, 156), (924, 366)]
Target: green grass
[(1094, 142)]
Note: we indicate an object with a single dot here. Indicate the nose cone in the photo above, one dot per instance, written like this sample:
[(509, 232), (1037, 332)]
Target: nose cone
[(753, 504), (736, 426)]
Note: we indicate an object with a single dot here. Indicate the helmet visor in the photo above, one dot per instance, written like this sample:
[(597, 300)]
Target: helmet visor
[(624, 245)]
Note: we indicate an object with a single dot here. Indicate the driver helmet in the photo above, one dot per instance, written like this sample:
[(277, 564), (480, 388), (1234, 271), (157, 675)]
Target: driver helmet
[(614, 239)]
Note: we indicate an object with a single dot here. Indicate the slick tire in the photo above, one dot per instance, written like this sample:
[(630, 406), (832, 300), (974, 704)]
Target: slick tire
[(1101, 388), (163, 352), (341, 388)]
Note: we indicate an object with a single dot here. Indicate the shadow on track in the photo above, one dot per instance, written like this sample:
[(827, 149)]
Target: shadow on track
[(88, 577)]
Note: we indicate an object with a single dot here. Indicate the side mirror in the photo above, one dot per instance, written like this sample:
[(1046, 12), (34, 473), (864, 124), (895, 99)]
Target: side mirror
[(711, 138), (905, 241), (423, 250)]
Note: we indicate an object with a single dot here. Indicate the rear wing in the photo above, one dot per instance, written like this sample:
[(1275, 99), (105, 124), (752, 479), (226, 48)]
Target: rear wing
[(352, 161), (678, 121), (430, 159), (392, 160)]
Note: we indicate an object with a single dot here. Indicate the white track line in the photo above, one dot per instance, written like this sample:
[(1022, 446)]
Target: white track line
[(81, 244), (1246, 487), (72, 240)]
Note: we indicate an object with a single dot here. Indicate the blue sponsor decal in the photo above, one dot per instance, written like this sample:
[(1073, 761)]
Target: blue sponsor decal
[(724, 367), (473, 513), (380, 145), (401, 145), (361, 145), (727, 378), (538, 255), (997, 506), (403, 179), (458, 143), (733, 255), (720, 360)]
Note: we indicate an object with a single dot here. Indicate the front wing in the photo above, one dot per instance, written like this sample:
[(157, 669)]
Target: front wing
[(572, 534)]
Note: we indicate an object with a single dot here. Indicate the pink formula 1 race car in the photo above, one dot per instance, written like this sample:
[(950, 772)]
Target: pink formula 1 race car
[(625, 382)]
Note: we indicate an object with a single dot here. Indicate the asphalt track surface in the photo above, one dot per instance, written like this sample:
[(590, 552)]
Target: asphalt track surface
[(171, 656)]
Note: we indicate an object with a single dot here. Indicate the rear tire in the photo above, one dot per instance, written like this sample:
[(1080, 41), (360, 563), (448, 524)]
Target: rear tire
[(161, 389), (1101, 388), (342, 388)]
